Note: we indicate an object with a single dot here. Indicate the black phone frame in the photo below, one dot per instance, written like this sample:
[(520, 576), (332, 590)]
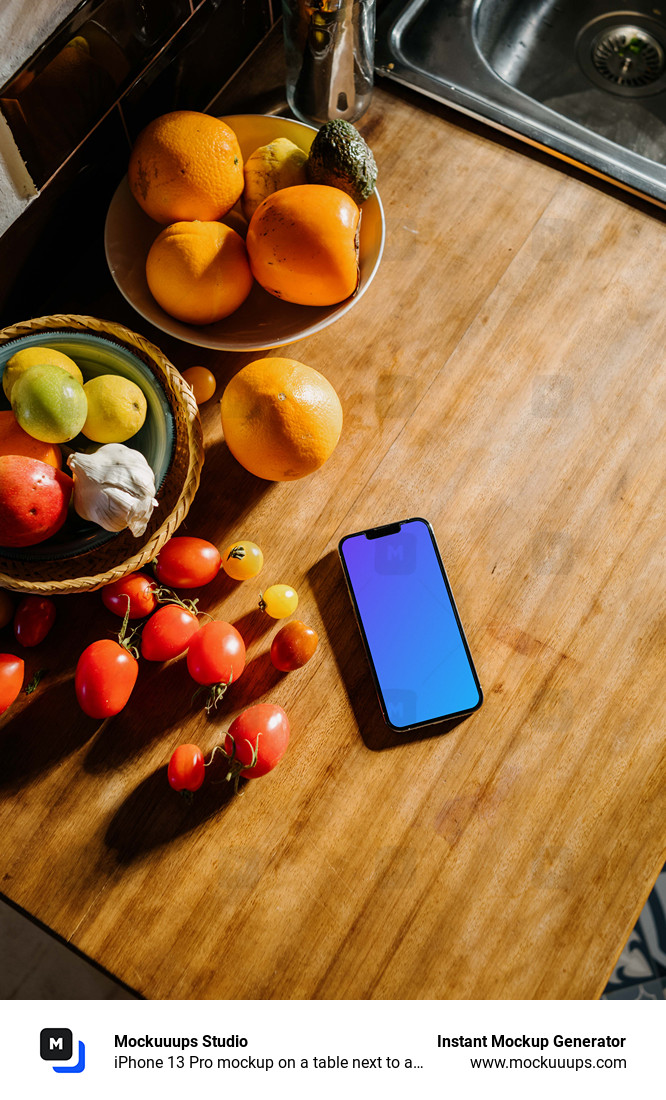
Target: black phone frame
[(376, 533)]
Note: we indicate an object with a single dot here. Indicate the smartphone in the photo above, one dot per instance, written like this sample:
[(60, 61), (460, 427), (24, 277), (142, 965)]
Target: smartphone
[(419, 657)]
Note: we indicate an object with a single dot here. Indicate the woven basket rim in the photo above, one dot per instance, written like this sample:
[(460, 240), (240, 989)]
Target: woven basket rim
[(182, 394)]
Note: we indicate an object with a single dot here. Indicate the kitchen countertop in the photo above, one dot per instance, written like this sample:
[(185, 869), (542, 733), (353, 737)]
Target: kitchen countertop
[(503, 377)]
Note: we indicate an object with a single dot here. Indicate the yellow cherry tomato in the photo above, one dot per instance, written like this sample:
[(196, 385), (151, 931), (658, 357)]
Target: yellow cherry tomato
[(202, 382), (242, 560), (278, 601)]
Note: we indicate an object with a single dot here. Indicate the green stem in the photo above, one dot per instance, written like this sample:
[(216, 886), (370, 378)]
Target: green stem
[(235, 766), (126, 640), (167, 595), (213, 693)]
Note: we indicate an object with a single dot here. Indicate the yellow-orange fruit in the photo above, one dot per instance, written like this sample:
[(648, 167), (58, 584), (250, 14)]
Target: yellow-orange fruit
[(198, 271), (202, 382), (281, 419), (303, 244), (186, 166), (14, 441)]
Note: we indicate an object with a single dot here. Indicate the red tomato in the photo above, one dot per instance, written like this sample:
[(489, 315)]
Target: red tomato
[(138, 589), (6, 608), (186, 768), (216, 654), (11, 679), (215, 658), (186, 562), (105, 675), (33, 619), (168, 632), (260, 734), (293, 646)]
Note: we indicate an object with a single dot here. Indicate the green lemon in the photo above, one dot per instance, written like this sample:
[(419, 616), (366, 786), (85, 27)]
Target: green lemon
[(116, 408), (36, 356), (49, 404)]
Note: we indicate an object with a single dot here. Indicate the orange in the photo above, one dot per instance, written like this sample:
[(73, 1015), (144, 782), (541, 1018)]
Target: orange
[(281, 419), (198, 271), (186, 166), (14, 441), (303, 244)]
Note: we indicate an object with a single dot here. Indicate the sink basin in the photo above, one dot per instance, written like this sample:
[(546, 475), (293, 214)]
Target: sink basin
[(585, 81)]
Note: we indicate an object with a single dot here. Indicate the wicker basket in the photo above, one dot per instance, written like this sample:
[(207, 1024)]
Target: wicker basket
[(123, 554)]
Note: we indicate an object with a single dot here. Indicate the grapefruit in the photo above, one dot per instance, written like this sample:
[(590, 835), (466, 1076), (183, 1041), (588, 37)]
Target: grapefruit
[(34, 499)]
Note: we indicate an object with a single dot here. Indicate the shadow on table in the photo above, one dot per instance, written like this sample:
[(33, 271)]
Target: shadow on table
[(259, 678), (160, 702), (45, 731), (154, 814), (227, 490), (343, 634)]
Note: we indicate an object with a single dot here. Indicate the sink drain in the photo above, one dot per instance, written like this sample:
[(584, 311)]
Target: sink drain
[(624, 57), (628, 57)]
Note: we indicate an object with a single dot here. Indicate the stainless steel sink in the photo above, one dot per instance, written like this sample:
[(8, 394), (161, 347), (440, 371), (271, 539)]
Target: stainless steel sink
[(584, 80)]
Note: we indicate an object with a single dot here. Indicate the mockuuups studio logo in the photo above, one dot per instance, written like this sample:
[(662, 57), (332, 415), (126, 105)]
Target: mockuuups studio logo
[(56, 1045), (396, 554)]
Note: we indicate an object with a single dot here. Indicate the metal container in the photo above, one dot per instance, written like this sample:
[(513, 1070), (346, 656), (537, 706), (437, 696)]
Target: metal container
[(329, 48)]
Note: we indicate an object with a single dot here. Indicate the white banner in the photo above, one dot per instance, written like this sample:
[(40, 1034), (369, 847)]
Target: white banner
[(254, 1048)]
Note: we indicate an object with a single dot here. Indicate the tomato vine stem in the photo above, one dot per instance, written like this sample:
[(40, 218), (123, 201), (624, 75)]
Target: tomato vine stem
[(167, 595), (236, 552), (213, 693), (235, 766), (125, 639), (28, 690)]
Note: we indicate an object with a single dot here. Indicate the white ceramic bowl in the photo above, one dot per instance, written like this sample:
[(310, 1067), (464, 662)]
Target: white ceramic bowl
[(263, 321)]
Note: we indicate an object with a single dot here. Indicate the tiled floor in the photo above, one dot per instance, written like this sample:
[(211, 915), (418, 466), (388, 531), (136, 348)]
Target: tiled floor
[(640, 973), (36, 966)]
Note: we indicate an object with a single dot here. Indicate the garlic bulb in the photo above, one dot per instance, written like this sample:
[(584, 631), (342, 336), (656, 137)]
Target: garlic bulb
[(114, 487)]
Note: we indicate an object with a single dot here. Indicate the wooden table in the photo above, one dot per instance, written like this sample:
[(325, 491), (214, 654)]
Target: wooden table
[(504, 377)]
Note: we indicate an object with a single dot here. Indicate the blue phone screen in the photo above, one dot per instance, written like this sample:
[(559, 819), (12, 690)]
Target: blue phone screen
[(416, 645)]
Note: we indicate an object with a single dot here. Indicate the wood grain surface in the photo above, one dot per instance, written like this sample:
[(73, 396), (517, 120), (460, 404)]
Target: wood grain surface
[(504, 377)]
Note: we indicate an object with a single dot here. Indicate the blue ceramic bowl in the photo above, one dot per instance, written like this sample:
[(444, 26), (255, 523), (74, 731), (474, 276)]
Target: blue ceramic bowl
[(94, 355)]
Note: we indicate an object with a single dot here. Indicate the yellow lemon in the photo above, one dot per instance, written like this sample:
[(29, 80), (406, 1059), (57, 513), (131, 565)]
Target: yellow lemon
[(36, 356), (270, 168), (116, 408)]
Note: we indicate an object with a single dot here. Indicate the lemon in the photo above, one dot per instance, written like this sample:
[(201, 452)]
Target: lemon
[(270, 168), (36, 356), (116, 408)]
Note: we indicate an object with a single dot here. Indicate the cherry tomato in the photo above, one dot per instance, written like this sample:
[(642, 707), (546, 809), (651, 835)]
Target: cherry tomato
[(33, 619), (293, 646), (6, 608), (278, 601), (202, 382), (242, 560), (105, 675), (260, 735), (138, 588), (186, 768), (168, 632), (216, 654), (187, 562), (11, 679)]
